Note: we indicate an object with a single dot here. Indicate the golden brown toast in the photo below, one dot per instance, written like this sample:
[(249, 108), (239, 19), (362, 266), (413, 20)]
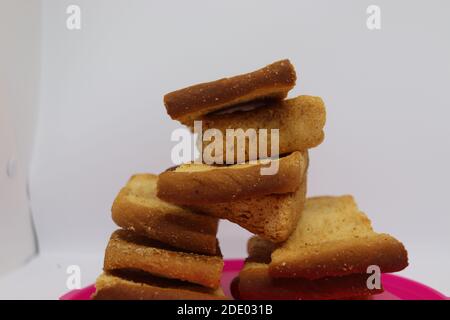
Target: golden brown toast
[(137, 208), (334, 238), (300, 122), (127, 250), (201, 184), (130, 285), (272, 217), (271, 82), (255, 282)]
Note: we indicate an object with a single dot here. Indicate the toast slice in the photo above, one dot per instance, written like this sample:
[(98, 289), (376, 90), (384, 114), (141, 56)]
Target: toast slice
[(127, 250), (201, 184), (272, 217), (255, 282), (271, 82), (300, 122), (132, 285), (334, 238), (137, 208)]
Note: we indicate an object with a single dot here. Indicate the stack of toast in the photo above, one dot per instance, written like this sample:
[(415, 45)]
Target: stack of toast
[(268, 205), (316, 248), (162, 251), (326, 257)]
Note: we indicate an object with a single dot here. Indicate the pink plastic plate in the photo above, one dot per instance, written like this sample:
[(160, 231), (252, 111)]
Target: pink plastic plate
[(395, 287)]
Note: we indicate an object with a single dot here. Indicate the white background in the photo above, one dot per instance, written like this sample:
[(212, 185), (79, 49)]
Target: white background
[(19, 94), (101, 116)]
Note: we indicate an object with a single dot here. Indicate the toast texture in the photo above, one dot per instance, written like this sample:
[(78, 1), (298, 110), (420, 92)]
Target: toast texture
[(137, 208), (300, 122), (127, 250), (255, 282), (273, 217), (334, 238), (271, 82), (198, 184), (129, 286)]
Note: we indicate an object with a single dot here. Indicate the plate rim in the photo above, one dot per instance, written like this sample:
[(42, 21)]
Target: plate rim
[(231, 265)]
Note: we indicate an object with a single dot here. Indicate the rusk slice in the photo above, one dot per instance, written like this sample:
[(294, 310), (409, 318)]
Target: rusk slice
[(334, 238), (255, 282), (198, 184), (271, 82), (127, 250), (137, 208), (300, 122), (132, 286), (272, 217)]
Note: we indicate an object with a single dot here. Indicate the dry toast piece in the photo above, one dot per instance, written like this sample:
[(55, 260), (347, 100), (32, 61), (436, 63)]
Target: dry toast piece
[(300, 122), (198, 184), (334, 238), (272, 217), (137, 208), (127, 250), (132, 285), (255, 282), (271, 82)]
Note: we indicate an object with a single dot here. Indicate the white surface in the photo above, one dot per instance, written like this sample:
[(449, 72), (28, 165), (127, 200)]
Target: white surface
[(20, 66), (19, 94), (15, 219), (102, 117), (33, 281)]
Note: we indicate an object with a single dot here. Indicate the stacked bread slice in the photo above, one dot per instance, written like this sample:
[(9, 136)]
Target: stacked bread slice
[(162, 251), (268, 205), (272, 82), (326, 257)]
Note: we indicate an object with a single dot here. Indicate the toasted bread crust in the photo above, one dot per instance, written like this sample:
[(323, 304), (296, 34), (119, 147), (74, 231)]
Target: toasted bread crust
[(341, 258), (127, 250), (300, 122), (231, 183), (271, 82), (111, 287), (137, 208), (334, 238), (260, 249), (272, 217), (256, 283)]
